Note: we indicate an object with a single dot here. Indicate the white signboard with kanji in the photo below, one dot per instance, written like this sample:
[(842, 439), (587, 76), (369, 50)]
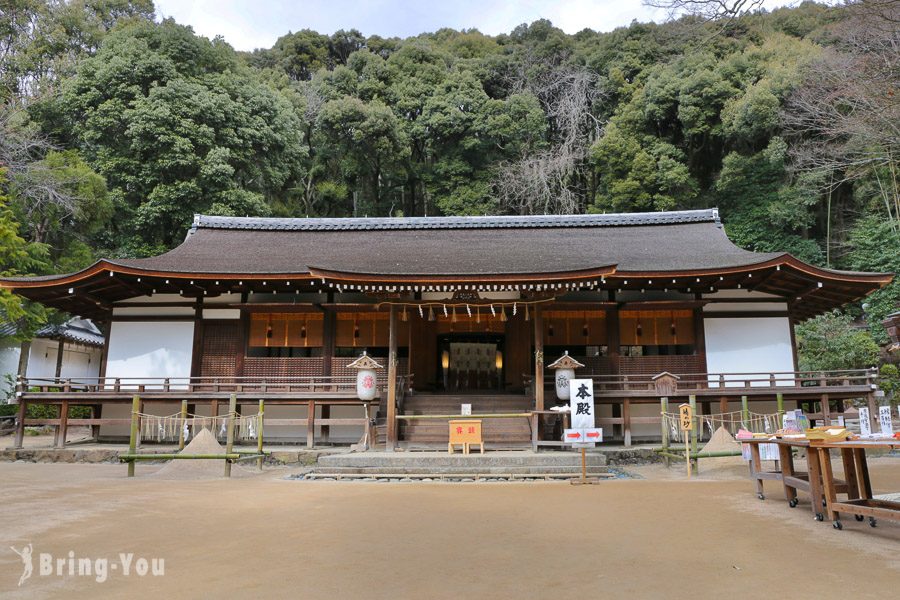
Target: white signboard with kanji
[(865, 425), (583, 434), (581, 401), (884, 419)]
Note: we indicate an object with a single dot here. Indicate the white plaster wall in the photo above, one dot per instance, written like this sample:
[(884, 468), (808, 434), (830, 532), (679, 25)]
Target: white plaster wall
[(155, 349), (749, 345), (42, 358), (9, 366)]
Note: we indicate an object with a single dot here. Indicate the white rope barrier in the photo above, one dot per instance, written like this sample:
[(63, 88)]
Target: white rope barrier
[(166, 428), (732, 421)]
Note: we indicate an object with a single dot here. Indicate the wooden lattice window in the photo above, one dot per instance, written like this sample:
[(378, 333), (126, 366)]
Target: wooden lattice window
[(656, 327), (221, 341), (285, 330)]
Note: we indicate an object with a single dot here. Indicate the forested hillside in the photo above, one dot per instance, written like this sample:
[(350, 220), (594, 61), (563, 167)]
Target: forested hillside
[(116, 129)]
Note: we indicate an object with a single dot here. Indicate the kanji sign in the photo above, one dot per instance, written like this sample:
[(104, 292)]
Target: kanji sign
[(581, 401), (865, 426), (884, 419), (686, 417)]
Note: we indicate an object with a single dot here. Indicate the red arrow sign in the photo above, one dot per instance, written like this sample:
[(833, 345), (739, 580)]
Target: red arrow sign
[(593, 434), (574, 435)]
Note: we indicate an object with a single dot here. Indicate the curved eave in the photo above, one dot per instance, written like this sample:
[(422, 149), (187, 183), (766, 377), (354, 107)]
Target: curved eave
[(809, 290), (357, 278)]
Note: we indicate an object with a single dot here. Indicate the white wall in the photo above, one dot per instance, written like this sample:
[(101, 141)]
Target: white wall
[(757, 345), (150, 349), (78, 361), (9, 365)]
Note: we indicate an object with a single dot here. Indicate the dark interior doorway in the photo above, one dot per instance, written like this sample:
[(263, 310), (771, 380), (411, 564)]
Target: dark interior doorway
[(470, 362)]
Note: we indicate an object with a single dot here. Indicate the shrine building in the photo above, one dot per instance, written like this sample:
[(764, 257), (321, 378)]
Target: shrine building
[(459, 311)]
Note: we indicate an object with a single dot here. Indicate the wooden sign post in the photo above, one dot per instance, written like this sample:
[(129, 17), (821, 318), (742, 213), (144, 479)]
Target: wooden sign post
[(583, 434), (686, 419)]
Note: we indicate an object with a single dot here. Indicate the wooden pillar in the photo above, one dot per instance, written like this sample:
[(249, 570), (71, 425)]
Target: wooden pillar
[(538, 358), (391, 441), (60, 352), (62, 429), (20, 423), (135, 432), (329, 326), (612, 332), (326, 429), (197, 349), (24, 353), (96, 413), (626, 420), (700, 335), (311, 424), (104, 353), (184, 414), (826, 410), (723, 405)]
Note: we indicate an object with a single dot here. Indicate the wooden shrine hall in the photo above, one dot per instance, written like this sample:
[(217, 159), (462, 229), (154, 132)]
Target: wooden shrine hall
[(460, 310)]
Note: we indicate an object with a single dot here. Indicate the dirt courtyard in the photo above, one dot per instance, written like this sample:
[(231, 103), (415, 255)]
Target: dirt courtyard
[(263, 536)]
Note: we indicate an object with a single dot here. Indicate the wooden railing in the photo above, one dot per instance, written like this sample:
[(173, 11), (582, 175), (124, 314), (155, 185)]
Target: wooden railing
[(727, 382), (194, 385)]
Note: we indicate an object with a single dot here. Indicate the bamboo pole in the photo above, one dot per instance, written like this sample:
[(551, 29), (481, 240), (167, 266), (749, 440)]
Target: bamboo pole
[(259, 435), (745, 411), (229, 436), (663, 409), (184, 411), (135, 428), (692, 400), (779, 399)]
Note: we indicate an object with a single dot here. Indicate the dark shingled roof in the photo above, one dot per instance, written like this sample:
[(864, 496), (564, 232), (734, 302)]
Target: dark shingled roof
[(78, 331), (665, 241)]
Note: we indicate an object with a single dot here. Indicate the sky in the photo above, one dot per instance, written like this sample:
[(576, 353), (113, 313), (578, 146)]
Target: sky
[(249, 24)]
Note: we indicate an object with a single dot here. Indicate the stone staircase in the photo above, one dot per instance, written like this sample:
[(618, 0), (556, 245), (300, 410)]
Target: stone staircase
[(499, 433)]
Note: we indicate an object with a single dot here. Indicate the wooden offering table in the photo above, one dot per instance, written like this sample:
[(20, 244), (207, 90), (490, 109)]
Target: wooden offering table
[(861, 504), (792, 480)]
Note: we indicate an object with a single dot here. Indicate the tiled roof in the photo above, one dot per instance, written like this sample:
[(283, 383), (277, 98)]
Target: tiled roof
[(473, 222)]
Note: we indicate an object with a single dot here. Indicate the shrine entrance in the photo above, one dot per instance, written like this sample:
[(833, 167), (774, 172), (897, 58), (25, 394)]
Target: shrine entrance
[(471, 362)]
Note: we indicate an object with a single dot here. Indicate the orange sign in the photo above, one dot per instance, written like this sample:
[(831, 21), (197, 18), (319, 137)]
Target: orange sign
[(465, 433)]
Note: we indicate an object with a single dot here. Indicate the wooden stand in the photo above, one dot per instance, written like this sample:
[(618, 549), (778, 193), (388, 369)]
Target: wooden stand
[(585, 480)]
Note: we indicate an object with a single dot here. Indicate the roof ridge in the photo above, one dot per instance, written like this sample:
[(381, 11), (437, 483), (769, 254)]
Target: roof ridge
[(710, 215)]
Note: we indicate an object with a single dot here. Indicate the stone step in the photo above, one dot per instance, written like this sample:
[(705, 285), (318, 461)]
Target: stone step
[(539, 470), (437, 461)]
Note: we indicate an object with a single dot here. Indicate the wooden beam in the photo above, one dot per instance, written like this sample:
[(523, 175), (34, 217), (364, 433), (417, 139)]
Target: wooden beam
[(392, 380)]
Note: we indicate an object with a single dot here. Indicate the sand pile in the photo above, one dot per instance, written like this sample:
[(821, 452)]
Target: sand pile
[(203, 443), (721, 441)]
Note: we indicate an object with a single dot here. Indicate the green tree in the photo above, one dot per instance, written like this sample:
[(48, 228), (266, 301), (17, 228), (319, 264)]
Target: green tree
[(832, 342)]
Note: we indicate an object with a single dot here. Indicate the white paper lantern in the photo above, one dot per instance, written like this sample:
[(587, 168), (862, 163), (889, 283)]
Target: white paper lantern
[(565, 367), (366, 377)]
